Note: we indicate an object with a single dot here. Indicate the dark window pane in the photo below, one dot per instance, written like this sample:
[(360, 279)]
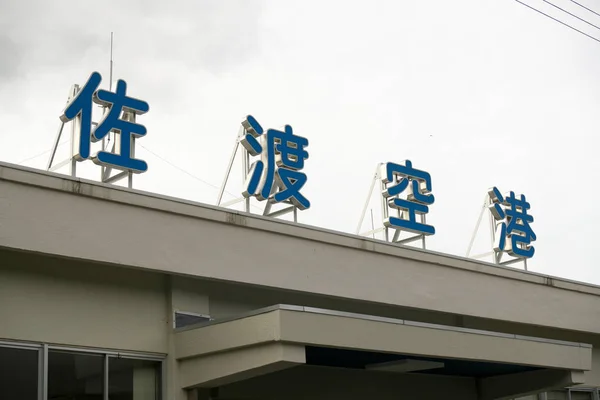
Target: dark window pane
[(75, 376), (184, 319), (557, 395), (133, 379), (18, 374), (577, 395)]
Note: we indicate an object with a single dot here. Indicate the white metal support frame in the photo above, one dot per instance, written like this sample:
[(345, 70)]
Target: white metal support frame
[(105, 386), (43, 373), (385, 213), (106, 175), (247, 169), (71, 161), (497, 254), (105, 172)]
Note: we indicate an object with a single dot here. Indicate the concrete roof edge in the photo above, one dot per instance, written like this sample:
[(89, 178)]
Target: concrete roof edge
[(54, 181), (374, 318)]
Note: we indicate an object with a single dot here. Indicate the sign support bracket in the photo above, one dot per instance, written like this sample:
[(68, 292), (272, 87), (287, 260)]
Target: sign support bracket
[(71, 160), (497, 254), (246, 168), (385, 213)]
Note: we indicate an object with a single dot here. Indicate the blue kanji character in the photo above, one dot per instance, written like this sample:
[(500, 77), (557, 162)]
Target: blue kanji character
[(514, 223), (81, 105), (417, 200), (280, 164), (250, 142), (116, 103)]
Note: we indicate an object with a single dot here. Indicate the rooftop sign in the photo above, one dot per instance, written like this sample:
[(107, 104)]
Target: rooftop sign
[(272, 164), (119, 114), (276, 175)]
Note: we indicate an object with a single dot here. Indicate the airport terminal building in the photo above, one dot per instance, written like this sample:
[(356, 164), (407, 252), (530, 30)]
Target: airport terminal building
[(109, 293)]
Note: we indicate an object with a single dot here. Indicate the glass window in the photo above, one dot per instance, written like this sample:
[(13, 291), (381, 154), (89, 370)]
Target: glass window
[(130, 379), (18, 373), (183, 318), (75, 376), (557, 395), (581, 395)]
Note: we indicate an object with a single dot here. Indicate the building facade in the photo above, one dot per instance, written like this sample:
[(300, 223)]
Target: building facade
[(113, 293)]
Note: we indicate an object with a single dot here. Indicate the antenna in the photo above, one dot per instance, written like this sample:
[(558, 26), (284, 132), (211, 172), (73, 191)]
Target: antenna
[(111, 63), (106, 141)]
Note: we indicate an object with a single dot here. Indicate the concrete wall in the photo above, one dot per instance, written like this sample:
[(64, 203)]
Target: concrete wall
[(61, 302), (226, 263), (46, 213), (77, 303)]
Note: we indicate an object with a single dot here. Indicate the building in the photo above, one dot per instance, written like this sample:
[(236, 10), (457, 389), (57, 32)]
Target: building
[(113, 293)]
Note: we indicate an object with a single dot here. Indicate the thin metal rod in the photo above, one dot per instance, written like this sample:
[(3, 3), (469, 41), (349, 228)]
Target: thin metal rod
[(72, 155), (43, 379), (75, 127), (111, 63), (232, 202), (485, 200), (106, 171), (364, 210), (246, 170), (372, 223), (423, 239), (492, 227), (481, 255), (231, 161), (105, 380), (396, 235), (295, 214), (525, 263), (267, 209), (53, 154), (282, 212), (132, 152), (72, 93), (59, 165), (511, 261), (371, 232), (116, 177), (40, 377), (492, 222), (385, 211), (410, 239), (20, 345), (136, 356)]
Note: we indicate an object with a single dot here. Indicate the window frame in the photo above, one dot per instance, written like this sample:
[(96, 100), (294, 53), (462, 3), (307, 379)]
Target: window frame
[(592, 391), (205, 318), (39, 348), (44, 348)]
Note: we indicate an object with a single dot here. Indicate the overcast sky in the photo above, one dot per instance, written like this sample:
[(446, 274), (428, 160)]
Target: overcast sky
[(477, 93)]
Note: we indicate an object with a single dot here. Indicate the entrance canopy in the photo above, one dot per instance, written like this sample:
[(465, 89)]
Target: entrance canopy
[(265, 341)]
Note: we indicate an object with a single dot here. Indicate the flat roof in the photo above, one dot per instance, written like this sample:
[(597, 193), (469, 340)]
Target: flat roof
[(94, 189)]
